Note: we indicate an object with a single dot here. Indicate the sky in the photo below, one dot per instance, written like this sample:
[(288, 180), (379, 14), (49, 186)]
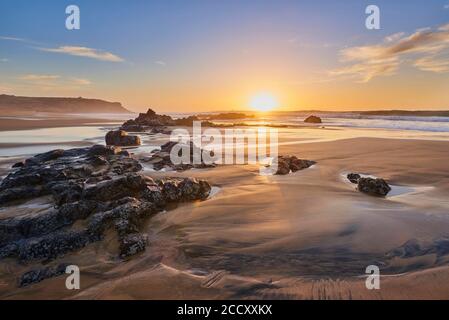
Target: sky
[(217, 55)]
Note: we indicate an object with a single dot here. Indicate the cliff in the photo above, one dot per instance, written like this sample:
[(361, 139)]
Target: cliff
[(14, 105)]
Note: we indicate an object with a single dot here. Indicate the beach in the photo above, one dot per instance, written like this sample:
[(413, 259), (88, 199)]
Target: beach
[(305, 235)]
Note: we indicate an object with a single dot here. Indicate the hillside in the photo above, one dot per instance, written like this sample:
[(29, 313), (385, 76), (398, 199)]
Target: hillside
[(15, 105)]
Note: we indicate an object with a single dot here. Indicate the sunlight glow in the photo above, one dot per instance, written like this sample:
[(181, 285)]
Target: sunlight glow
[(264, 102)]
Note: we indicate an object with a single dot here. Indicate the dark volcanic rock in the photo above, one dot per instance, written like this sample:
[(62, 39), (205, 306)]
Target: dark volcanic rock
[(37, 275), (161, 159), (62, 173), (18, 164), (126, 186), (152, 120), (372, 186), (121, 138), (122, 201), (292, 163), (132, 244), (313, 119), (353, 177)]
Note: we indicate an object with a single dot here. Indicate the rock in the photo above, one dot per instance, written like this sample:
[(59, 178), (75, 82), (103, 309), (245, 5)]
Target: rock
[(100, 150), (132, 244), (65, 191), (20, 193), (353, 177), (37, 275), (44, 157), (373, 186), (39, 177), (313, 119), (161, 159), (283, 167), (128, 186), (97, 161), (53, 245), (132, 126), (152, 120), (82, 214), (18, 164), (292, 163), (121, 138)]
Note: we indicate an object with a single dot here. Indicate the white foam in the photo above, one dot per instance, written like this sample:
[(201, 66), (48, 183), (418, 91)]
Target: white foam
[(214, 191)]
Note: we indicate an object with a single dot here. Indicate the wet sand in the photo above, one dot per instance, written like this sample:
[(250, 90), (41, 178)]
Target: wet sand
[(307, 235)]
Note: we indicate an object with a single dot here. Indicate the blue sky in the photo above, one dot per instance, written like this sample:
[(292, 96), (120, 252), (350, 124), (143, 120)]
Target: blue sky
[(207, 54)]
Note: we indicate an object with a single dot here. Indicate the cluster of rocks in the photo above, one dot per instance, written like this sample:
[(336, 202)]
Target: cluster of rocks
[(372, 186), (97, 187), (287, 164), (62, 173), (313, 119), (121, 138), (157, 123), (160, 159)]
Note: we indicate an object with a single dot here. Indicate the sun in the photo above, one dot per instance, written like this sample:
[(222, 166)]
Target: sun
[(264, 102)]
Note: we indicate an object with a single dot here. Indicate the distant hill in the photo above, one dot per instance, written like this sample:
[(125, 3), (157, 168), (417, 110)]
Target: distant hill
[(14, 105)]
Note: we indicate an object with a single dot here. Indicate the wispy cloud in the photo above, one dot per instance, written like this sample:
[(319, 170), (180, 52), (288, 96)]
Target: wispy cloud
[(80, 81), (46, 82), (12, 39), (423, 48), (4, 60), (161, 63), (446, 6), (85, 52), (39, 77)]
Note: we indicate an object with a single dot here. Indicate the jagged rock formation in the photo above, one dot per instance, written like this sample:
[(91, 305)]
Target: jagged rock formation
[(287, 164), (368, 185), (121, 138), (161, 159), (373, 186), (99, 188), (151, 120), (313, 119)]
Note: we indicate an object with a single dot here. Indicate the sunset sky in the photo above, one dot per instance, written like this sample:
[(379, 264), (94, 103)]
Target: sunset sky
[(206, 55)]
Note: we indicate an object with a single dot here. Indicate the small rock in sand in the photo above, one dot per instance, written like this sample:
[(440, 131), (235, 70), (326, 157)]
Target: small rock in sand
[(373, 186), (353, 177)]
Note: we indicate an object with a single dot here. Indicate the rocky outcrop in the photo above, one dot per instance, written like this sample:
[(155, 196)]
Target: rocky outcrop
[(373, 186), (122, 201), (121, 138), (62, 173), (287, 164), (156, 122), (160, 159), (313, 119), (353, 177), (37, 275)]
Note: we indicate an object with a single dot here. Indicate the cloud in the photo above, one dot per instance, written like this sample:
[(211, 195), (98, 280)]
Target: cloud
[(39, 77), (422, 48), (446, 6), (161, 63), (83, 82), (49, 81), (12, 39), (85, 52), (433, 64), (394, 37), (4, 60)]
